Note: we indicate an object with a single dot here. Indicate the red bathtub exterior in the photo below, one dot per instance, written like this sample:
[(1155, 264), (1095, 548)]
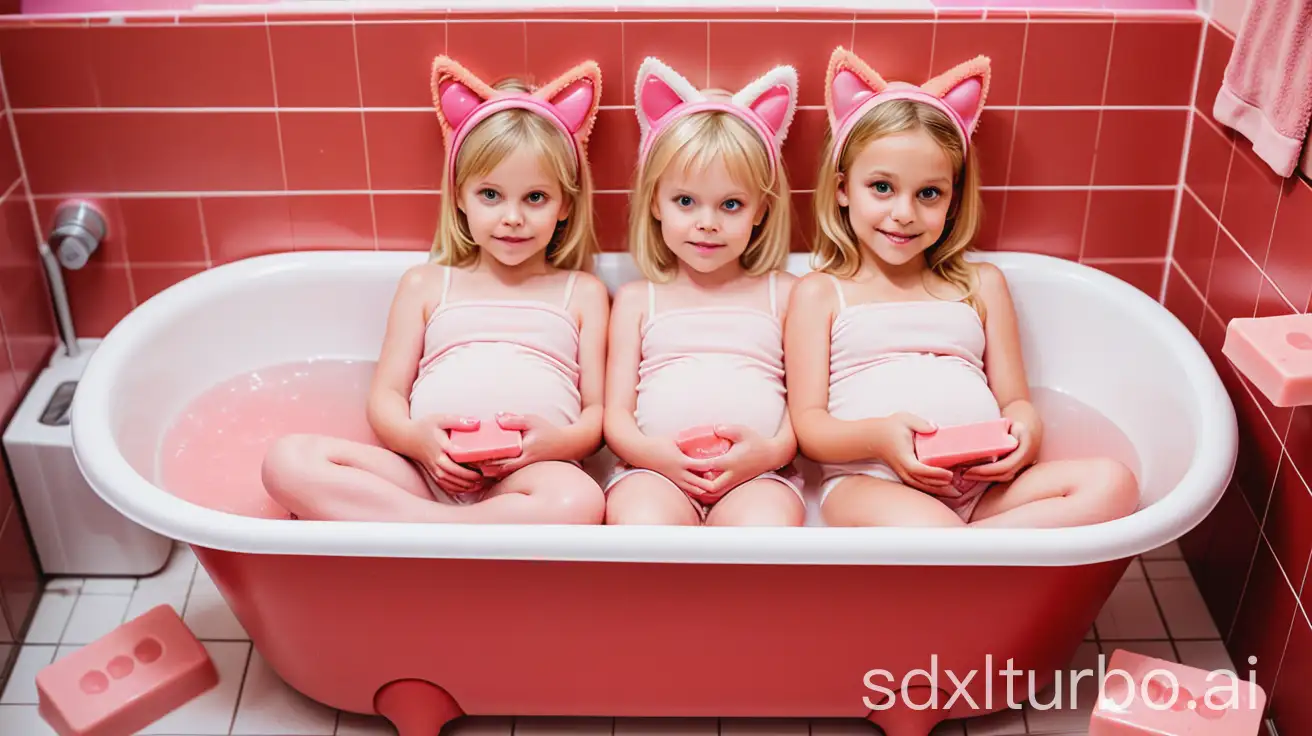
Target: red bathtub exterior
[(626, 639)]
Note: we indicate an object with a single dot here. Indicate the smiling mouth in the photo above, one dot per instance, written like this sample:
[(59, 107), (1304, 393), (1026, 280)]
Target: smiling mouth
[(898, 238), (706, 246), (512, 240)]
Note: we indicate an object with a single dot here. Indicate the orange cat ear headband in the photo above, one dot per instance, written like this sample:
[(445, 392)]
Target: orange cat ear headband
[(462, 100), (852, 88)]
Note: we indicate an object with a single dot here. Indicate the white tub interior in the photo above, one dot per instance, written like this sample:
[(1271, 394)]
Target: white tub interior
[(1084, 333)]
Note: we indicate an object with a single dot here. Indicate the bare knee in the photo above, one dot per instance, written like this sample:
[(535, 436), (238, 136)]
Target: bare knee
[(1116, 488), (646, 500), (289, 457), (569, 495)]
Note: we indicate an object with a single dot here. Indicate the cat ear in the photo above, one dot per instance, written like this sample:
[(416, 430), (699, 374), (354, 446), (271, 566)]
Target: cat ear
[(658, 90), (576, 96), (456, 93), (848, 83), (964, 88), (774, 98)]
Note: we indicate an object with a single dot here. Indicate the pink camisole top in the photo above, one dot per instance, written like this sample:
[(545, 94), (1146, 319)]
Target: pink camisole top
[(484, 356), (921, 357), (720, 364)]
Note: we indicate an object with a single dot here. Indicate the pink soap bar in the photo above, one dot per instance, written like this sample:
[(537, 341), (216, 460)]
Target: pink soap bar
[(488, 442), (1163, 698), (1275, 353), (127, 679), (702, 442), (965, 443)]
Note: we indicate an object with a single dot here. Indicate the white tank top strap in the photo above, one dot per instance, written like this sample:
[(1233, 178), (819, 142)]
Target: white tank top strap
[(569, 288), (838, 287), (446, 284), (774, 300)]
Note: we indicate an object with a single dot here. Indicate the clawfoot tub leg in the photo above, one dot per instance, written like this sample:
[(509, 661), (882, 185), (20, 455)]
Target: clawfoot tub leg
[(901, 719), (416, 707)]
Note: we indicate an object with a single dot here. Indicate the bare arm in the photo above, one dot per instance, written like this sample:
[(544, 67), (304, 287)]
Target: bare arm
[(785, 440), (623, 436), (820, 436), (1004, 364), (388, 408), (583, 437)]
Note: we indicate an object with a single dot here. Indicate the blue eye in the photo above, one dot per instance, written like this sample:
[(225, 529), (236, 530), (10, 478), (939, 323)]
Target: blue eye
[(882, 187), (732, 204), (537, 197), (684, 200), (487, 194)]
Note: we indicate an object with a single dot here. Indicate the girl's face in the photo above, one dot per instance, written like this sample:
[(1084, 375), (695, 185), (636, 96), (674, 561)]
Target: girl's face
[(706, 217), (513, 210), (897, 193)]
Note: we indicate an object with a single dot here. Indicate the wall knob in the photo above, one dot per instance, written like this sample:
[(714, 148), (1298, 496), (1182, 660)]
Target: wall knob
[(77, 233)]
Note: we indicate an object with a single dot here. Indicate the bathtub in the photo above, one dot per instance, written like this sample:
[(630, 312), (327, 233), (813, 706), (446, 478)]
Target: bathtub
[(424, 623)]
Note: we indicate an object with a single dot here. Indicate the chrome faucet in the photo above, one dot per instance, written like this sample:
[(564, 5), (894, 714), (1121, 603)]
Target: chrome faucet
[(78, 231)]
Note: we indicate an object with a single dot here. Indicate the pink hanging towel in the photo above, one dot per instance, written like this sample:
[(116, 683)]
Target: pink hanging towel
[(1267, 93)]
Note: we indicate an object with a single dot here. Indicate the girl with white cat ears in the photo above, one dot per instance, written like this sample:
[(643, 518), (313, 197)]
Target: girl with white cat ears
[(698, 344)]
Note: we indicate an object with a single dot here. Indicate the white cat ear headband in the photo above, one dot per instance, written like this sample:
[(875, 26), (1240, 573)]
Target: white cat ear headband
[(766, 104)]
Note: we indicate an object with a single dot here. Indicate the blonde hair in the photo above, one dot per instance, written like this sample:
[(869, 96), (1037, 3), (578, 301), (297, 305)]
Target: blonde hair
[(837, 249), (488, 144), (692, 143)]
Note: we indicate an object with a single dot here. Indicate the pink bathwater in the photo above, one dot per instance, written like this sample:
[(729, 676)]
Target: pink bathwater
[(211, 455)]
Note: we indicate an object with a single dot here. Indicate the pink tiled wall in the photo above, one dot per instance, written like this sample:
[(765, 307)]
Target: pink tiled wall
[(27, 335), (218, 138), (1243, 249)]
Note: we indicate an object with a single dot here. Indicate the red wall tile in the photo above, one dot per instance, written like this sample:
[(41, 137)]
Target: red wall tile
[(1129, 224), (1289, 701), (1053, 148), (1169, 50), (1263, 623), (181, 66), (1048, 222), (396, 61), (1003, 43), (1058, 60), (898, 51), (1139, 147), (406, 221), (314, 66)]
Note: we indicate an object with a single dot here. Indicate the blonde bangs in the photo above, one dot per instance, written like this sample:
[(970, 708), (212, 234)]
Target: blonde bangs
[(691, 145), (487, 145)]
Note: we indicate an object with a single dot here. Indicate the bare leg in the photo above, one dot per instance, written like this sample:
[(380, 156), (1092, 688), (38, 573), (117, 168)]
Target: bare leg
[(646, 498), (328, 478), (1061, 493), (860, 500), (548, 492), (758, 502)]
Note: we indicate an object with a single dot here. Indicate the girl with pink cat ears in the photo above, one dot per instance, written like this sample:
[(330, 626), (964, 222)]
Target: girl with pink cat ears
[(697, 346), (503, 326), (887, 338)]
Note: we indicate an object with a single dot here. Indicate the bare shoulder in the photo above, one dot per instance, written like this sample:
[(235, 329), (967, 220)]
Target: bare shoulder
[(630, 298), (815, 289), (591, 289), (992, 282), (424, 275)]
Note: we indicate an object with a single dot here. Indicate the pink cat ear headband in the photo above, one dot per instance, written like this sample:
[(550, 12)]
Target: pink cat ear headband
[(767, 104), (852, 88), (570, 102)]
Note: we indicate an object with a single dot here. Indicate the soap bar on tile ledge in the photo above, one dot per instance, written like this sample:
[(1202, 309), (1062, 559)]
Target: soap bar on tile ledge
[(127, 679), (1145, 696), (1275, 354)]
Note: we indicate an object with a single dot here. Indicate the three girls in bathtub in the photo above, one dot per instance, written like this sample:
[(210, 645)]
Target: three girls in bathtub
[(885, 339)]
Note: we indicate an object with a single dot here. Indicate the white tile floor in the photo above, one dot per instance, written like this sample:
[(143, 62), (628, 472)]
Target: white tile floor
[(1155, 610)]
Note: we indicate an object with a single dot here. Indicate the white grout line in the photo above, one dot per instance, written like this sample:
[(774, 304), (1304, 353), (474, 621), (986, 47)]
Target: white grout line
[(184, 194), (364, 135), (1177, 206), (194, 110), (277, 118), (1097, 138), (17, 183)]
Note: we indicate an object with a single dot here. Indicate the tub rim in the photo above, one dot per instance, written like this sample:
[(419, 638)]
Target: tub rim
[(121, 486)]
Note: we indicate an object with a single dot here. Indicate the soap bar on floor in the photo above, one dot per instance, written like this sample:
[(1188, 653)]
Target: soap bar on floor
[(1275, 354), (965, 443), (127, 679), (1145, 696)]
